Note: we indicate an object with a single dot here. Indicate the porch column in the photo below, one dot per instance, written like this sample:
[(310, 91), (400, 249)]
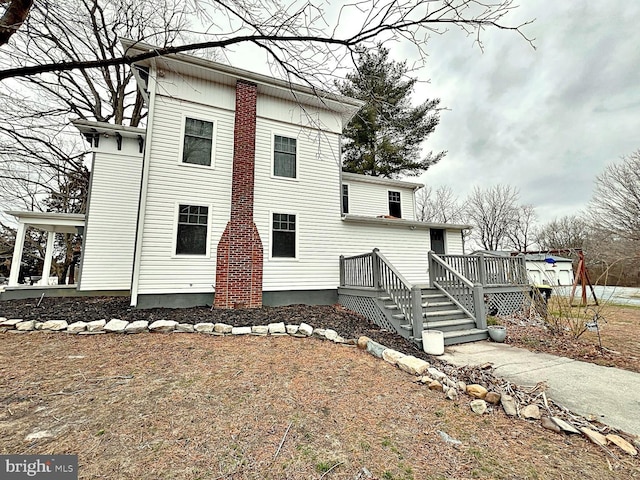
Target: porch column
[(48, 256), (17, 255)]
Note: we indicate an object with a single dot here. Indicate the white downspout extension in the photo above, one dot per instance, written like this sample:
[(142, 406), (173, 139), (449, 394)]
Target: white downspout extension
[(48, 257), (135, 274), (17, 255)]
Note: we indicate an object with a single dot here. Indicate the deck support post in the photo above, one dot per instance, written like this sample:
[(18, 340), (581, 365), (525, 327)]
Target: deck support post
[(375, 268), (416, 313), (430, 265), (48, 257), (14, 274), (478, 306), (342, 270), (482, 270)]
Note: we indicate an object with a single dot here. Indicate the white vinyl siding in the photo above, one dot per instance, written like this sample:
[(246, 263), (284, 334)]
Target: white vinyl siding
[(453, 242), (372, 199), (170, 183), (111, 223)]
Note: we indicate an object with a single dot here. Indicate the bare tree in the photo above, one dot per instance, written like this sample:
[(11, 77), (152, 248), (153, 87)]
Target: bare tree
[(439, 206), (615, 204), (14, 15), (296, 36), (492, 212), (570, 232), (522, 234)]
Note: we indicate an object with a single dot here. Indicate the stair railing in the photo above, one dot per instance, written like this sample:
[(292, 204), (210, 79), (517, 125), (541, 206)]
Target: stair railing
[(469, 297), (375, 270)]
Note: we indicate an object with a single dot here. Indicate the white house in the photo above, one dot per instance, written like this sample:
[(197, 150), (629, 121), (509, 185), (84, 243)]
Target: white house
[(234, 192)]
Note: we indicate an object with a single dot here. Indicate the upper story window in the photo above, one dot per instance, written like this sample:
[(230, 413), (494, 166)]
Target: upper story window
[(198, 142), (394, 204), (284, 157), (345, 198), (191, 237), (283, 237)]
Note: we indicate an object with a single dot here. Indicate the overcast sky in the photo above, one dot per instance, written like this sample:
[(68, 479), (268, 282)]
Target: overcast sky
[(548, 120)]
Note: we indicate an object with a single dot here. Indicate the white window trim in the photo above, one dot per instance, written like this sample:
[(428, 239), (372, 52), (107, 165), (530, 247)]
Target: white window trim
[(213, 141), (174, 240), (272, 154), (284, 259), (401, 206)]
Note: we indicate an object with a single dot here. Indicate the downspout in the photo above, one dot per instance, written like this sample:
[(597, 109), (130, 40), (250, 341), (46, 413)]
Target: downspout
[(144, 183)]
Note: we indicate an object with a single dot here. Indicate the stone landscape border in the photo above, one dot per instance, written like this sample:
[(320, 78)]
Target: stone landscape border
[(483, 399)]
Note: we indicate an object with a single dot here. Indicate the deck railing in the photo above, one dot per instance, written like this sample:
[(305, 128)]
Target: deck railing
[(460, 290), (489, 270), (374, 270)]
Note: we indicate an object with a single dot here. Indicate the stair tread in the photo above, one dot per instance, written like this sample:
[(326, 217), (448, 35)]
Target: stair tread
[(447, 323), (438, 304), (443, 313), (399, 316), (462, 333)]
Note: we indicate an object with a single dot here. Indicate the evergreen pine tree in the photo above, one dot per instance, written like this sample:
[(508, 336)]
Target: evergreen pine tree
[(384, 138)]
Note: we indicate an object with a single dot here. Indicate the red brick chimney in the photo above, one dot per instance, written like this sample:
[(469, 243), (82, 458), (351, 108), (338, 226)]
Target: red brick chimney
[(240, 254)]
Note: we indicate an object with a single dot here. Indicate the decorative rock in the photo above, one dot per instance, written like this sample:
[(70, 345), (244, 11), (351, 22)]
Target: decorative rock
[(462, 386), (478, 406), (136, 327), (595, 437), (509, 405), (567, 427), (436, 386), (277, 328), (259, 330), (550, 425), (362, 342), (449, 383), (184, 328), (375, 349), (38, 326), (477, 391), (9, 323), (531, 412), (222, 328), (204, 327), (452, 394), (425, 379), (77, 327), (55, 325), (436, 374), (493, 398), (339, 339), (292, 329), (444, 436), (330, 334), (96, 325), (319, 332), (97, 332), (163, 326), (116, 326), (26, 326), (412, 365), (305, 329), (241, 330), (622, 443), (392, 356), (38, 436)]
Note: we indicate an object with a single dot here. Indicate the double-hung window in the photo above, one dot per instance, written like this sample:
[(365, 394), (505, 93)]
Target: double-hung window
[(198, 142), (283, 236), (191, 237), (394, 204), (284, 157)]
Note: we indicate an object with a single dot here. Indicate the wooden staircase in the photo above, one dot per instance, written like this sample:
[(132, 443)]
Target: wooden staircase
[(439, 313)]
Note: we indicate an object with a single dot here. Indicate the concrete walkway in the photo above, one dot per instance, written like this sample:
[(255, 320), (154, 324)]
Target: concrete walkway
[(611, 394)]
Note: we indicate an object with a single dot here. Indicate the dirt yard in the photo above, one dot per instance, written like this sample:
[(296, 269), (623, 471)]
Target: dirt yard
[(188, 406)]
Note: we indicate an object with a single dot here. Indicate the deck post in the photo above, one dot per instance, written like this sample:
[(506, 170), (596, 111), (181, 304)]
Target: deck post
[(478, 306), (342, 270), (416, 313), (14, 274), (482, 270), (375, 268)]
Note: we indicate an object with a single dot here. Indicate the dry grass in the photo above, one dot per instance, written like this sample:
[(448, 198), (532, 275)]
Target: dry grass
[(185, 406)]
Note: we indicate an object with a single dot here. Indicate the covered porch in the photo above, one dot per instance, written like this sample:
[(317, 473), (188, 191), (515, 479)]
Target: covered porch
[(51, 223)]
